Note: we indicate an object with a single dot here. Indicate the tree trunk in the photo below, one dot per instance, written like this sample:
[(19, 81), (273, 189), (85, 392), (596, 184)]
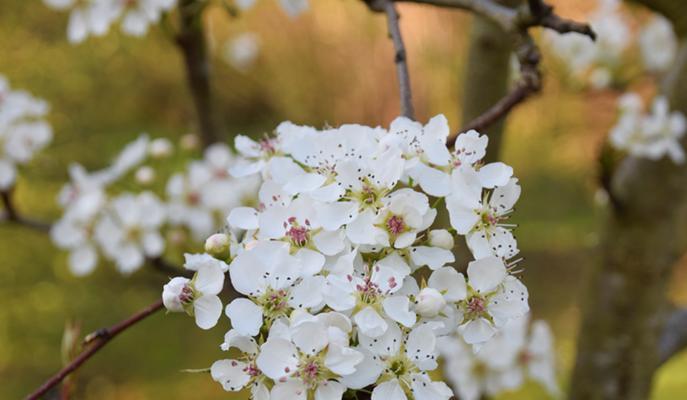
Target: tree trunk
[(626, 302), (487, 73), (192, 42)]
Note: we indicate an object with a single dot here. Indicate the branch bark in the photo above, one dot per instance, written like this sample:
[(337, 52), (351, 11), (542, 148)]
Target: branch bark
[(98, 341), (192, 42), (623, 322), (400, 59), (12, 215)]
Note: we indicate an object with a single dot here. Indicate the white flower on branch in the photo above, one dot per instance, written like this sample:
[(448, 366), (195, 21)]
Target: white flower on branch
[(198, 296), (23, 130), (653, 135)]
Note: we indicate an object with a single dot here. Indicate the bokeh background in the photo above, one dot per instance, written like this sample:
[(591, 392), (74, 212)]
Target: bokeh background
[(331, 65)]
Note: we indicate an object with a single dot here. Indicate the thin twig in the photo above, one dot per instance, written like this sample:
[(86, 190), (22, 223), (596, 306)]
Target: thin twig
[(103, 337), (12, 215), (400, 60)]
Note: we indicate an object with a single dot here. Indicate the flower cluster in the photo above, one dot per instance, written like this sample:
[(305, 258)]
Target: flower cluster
[(94, 17), (328, 262), (126, 227), (601, 62), (653, 135), (23, 130), (519, 352)]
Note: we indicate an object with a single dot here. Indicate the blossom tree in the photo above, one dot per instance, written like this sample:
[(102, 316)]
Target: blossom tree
[(342, 276)]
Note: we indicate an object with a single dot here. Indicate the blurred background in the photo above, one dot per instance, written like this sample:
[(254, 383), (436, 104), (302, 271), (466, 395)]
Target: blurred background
[(331, 65)]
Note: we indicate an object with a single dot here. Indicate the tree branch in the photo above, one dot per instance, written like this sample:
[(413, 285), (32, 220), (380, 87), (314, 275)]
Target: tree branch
[(97, 341), (673, 339), (168, 268), (12, 215), (400, 59), (191, 41)]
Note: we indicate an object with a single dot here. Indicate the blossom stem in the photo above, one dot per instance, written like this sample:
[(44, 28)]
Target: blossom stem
[(99, 340), (400, 60)]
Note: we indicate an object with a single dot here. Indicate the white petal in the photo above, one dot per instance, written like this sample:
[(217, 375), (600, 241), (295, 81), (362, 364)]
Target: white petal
[(389, 390), (308, 293), (494, 174), (421, 347), (309, 336), (477, 331), (370, 323), (386, 345), (511, 301), (330, 390), (449, 282), (244, 218), (363, 230), (289, 390), (309, 261), (503, 198), (242, 342), (330, 243), (209, 279), (366, 373), (342, 360), (462, 217), (230, 374), (433, 257), (432, 181), (397, 307), (7, 174), (486, 274), (207, 310), (245, 316), (277, 358), (83, 260), (478, 243)]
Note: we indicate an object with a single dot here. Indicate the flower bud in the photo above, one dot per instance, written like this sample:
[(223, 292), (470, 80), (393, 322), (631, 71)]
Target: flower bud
[(145, 175), (441, 238), (218, 245), (160, 148), (429, 302)]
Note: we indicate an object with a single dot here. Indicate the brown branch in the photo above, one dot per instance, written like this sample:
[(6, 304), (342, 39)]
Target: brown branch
[(674, 336), (530, 83), (98, 341), (191, 41), (166, 267), (400, 60), (13, 216)]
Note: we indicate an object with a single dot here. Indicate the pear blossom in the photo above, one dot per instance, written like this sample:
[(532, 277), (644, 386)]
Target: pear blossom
[(306, 357), (658, 44), (596, 61), (323, 262), (398, 363), (198, 296), (23, 130), (493, 298), (480, 216), (94, 17), (521, 350), (129, 231), (653, 135)]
